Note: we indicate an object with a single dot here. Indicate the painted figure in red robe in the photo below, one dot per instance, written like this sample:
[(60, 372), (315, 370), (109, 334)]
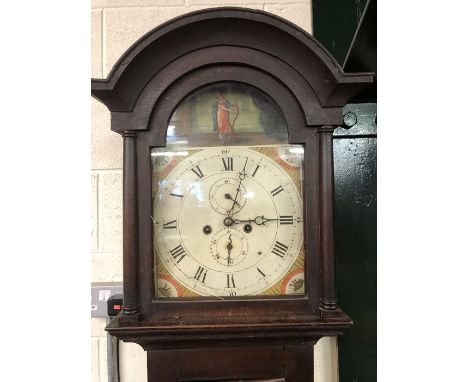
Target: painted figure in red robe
[(225, 127)]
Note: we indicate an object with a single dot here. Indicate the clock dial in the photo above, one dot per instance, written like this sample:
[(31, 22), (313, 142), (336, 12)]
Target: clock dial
[(227, 222)]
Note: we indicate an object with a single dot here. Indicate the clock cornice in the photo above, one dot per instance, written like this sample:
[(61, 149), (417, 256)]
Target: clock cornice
[(262, 34)]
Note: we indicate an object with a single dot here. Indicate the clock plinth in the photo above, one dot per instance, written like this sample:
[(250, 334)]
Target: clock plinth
[(228, 239)]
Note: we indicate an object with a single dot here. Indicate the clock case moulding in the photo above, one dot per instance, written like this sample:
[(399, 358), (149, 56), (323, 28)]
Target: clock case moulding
[(143, 89)]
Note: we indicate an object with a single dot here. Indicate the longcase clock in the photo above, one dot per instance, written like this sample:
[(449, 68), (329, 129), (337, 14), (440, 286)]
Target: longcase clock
[(227, 118)]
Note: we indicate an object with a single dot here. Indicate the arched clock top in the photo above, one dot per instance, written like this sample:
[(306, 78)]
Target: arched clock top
[(157, 117), (237, 37)]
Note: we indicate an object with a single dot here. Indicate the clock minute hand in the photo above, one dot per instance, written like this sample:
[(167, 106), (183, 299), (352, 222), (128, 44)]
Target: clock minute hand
[(242, 175)]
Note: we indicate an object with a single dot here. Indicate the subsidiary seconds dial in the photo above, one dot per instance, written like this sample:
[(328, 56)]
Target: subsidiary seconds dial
[(228, 221)]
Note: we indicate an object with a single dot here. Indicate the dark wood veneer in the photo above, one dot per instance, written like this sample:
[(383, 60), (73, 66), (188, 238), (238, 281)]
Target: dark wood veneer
[(276, 335)]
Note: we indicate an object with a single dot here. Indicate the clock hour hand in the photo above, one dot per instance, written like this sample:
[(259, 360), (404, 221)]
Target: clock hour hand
[(259, 220)]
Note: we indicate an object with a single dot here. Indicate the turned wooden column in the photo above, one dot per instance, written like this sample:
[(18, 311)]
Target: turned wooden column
[(130, 228), (327, 220)]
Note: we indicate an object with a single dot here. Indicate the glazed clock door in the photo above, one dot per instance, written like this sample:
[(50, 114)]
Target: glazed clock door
[(227, 199)]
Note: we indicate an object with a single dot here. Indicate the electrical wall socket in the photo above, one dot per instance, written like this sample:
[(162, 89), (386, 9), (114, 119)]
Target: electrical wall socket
[(100, 293)]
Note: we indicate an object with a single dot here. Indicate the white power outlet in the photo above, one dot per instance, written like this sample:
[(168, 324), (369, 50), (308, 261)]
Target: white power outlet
[(100, 293)]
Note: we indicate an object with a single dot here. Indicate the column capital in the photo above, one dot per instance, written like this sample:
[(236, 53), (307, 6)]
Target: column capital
[(327, 129), (129, 134)]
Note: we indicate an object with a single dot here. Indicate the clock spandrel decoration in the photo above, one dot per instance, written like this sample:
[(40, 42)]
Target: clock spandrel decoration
[(228, 195)]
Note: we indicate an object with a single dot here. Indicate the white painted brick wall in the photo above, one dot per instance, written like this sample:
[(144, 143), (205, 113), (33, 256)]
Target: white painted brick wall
[(115, 26), (298, 12), (106, 146), (110, 210), (98, 350), (96, 43), (94, 213)]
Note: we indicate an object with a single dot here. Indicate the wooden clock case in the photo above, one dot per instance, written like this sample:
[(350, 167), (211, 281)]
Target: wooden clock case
[(237, 338)]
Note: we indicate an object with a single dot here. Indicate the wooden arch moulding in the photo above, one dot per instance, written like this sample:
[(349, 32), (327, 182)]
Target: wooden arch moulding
[(310, 88)]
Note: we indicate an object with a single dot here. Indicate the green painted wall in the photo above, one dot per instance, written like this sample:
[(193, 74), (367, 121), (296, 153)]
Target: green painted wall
[(334, 25), (335, 22), (355, 152)]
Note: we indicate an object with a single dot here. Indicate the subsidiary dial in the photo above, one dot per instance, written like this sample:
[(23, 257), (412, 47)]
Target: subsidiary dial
[(229, 247), (227, 196)]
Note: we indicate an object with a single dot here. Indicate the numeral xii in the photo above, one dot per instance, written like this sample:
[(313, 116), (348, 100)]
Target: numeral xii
[(228, 163)]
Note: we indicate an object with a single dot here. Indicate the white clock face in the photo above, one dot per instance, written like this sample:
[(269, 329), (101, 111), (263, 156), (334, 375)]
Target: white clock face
[(227, 222)]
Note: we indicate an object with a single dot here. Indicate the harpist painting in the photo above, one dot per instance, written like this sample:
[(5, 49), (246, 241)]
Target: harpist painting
[(223, 124), (227, 113)]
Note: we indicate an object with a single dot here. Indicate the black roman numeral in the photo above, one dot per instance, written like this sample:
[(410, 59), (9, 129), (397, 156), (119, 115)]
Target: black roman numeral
[(279, 249), (178, 252), (277, 190), (230, 281), (170, 225), (176, 195), (228, 163), (198, 172), (255, 171), (286, 219), (200, 274), (259, 271)]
